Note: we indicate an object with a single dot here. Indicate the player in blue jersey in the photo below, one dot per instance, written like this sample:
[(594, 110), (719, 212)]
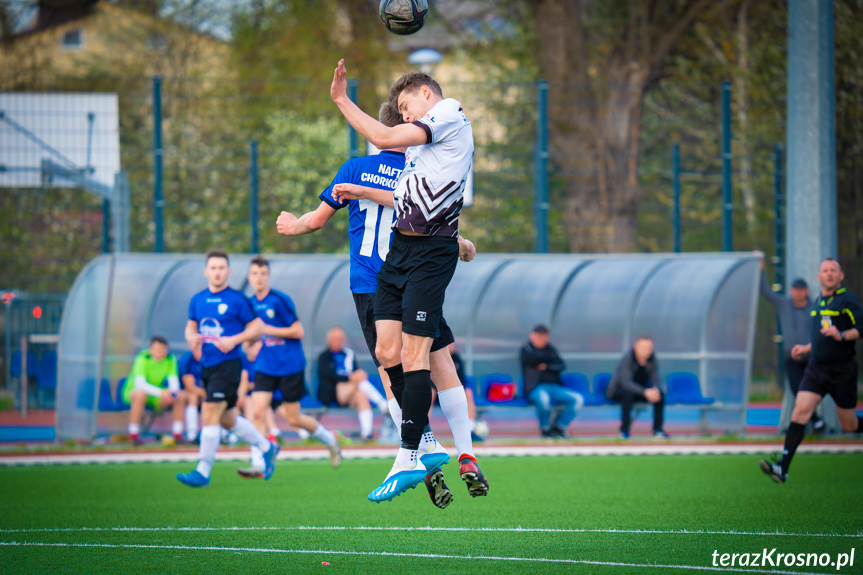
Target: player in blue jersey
[(220, 320), (189, 368), (367, 184), (281, 363)]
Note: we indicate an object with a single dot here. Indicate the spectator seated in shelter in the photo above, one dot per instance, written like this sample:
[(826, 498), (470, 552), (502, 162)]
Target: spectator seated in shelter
[(341, 381), (542, 367), (636, 378), (152, 369), (189, 368)]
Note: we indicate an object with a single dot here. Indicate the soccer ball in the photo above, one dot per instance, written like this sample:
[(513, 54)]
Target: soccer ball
[(481, 429), (404, 17)]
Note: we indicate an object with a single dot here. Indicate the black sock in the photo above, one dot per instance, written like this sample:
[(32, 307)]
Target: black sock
[(860, 425), (415, 409), (793, 437), (397, 381)]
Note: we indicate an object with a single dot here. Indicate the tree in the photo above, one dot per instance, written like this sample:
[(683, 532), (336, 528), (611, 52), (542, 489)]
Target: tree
[(600, 59)]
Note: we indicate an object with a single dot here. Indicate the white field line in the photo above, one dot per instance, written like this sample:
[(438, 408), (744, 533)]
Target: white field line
[(119, 529), (481, 451), (328, 553)]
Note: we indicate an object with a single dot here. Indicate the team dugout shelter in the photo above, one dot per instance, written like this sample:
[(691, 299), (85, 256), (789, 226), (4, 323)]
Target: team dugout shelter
[(699, 308)]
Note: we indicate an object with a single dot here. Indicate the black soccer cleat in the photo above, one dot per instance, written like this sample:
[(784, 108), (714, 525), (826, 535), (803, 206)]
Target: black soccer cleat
[(477, 484), (439, 493), (774, 470)]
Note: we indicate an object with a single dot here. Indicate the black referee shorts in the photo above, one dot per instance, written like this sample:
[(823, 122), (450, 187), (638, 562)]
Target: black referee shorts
[(221, 381), (837, 378), (365, 304), (413, 280)]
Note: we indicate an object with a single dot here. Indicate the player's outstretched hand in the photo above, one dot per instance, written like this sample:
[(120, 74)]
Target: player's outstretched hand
[(466, 249), (342, 192), (339, 89), (285, 223)]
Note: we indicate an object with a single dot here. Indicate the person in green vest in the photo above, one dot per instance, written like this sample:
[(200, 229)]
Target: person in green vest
[(154, 381)]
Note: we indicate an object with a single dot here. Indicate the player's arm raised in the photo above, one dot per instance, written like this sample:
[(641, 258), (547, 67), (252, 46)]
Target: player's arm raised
[(288, 224), (293, 331), (357, 192), (383, 137)]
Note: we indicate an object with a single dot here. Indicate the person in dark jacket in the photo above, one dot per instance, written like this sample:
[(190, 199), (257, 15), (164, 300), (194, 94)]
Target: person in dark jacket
[(636, 378), (542, 367)]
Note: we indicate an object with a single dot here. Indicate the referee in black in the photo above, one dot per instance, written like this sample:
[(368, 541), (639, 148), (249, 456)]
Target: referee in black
[(832, 367)]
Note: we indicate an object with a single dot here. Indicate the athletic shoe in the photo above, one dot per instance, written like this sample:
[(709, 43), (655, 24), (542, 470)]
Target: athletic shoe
[(558, 432), (547, 433), (818, 425), (477, 484), (270, 460), (435, 458), (251, 472), (193, 479), (335, 453), (398, 481), (658, 435), (624, 435), (440, 494), (476, 438), (774, 470), (135, 439)]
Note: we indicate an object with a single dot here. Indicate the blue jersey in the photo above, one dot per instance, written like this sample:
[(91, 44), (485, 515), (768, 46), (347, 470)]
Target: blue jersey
[(278, 356), (369, 224), (220, 314), (249, 367), (344, 363), (188, 365)]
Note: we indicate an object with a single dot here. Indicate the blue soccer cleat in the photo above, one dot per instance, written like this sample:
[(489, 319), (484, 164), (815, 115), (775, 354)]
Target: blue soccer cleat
[(398, 481), (193, 479), (270, 460), (435, 458)]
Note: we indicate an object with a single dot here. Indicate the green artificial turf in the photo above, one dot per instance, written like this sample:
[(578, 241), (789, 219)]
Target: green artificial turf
[(668, 494)]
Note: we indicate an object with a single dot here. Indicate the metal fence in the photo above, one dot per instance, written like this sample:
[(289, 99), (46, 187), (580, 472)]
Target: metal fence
[(213, 163)]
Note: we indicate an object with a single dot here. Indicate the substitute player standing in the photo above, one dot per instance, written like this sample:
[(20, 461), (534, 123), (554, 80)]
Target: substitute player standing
[(424, 252), (367, 184), (220, 319), (281, 361), (832, 366)]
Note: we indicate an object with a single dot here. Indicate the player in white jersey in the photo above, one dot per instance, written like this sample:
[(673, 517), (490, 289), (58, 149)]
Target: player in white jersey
[(421, 262), (364, 270)]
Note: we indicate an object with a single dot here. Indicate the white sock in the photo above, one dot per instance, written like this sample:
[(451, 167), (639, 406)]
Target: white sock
[(210, 436), (453, 403), (276, 432), (134, 429), (250, 434), (257, 457), (367, 421), (427, 441), (177, 427), (373, 394), (191, 422), (406, 458), (303, 433), (472, 425), (324, 435), (396, 414)]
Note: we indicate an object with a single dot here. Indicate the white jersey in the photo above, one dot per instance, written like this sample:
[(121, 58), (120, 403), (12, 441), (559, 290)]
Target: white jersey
[(430, 192)]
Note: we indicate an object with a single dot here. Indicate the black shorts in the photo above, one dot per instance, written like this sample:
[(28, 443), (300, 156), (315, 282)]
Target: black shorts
[(221, 381), (838, 378), (293, 387), (365, 304), (413, 280)]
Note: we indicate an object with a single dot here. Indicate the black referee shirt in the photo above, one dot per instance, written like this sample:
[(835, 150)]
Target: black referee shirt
[(842, 310)]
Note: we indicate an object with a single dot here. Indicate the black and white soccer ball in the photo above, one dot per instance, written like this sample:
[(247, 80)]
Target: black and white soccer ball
[(404, 17)]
